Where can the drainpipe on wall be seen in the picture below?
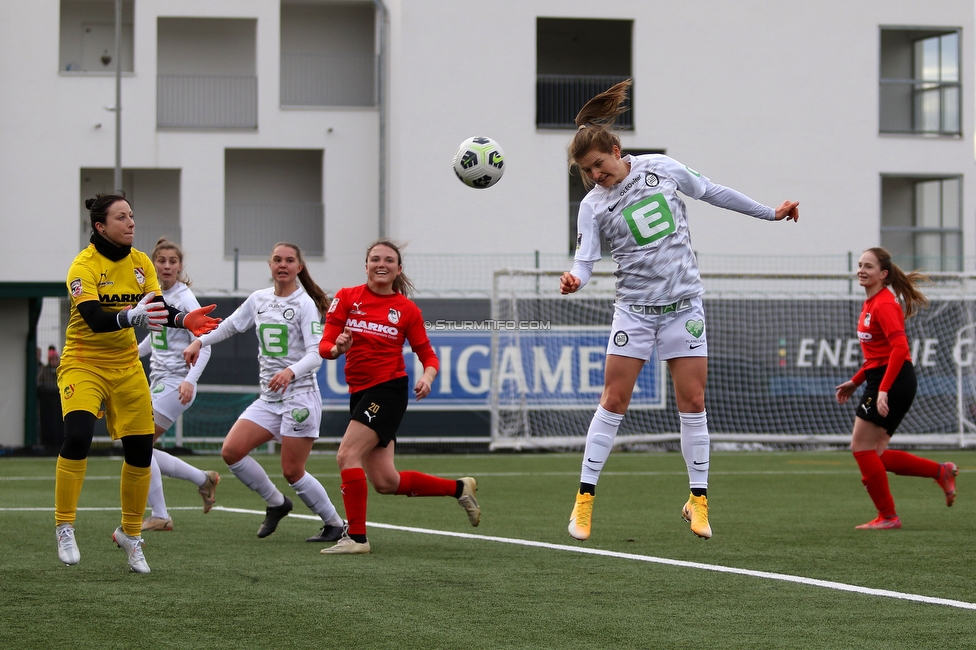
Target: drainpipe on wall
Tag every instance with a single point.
(381, 101)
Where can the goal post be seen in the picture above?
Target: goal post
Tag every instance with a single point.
(779, 344)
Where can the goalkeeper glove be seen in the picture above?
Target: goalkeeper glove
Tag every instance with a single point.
(147, 313)
(197, 320)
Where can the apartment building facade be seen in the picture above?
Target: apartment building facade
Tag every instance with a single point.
(246, 122)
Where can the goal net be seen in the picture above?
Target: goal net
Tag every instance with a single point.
(778, 346)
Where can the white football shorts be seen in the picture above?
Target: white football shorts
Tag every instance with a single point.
(166, 401)
(676, 330)
(297, 416)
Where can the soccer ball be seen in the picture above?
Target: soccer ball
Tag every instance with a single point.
(479, 162)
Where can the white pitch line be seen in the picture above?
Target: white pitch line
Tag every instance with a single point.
(782, 577)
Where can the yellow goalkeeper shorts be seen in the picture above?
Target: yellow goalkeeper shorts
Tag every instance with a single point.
(123, 391)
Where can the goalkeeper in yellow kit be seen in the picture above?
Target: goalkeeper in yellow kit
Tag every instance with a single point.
(113, 287)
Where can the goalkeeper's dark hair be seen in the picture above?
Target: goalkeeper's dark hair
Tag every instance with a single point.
(402, 283)
(595, 125)
(98, 206)
(317, 293)
(904, 284)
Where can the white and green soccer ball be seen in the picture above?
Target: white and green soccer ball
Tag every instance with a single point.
(479, 162)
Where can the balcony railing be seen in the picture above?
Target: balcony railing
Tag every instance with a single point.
(328, 80)
(559, 97)
(915, 106)
(253, 228)
(207, 101)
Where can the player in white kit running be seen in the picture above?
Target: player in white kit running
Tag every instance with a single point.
(173, 386)
(635, 204)
(287, 319)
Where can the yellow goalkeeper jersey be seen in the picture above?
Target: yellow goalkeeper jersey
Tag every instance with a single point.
(115, 285)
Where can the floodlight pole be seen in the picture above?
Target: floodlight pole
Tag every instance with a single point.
(381, 100)
(118, 95)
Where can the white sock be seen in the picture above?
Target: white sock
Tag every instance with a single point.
(694, 447)
(170, 465)
(251, 474)
(156, 499)
(317, 499)
(599, 442)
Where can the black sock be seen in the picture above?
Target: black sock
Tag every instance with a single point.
(459, 490)
(699, 492)
(361, 539)
(587, 488)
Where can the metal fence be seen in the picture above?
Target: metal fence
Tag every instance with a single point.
(207, 101)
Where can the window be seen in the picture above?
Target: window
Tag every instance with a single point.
(206, 73)
(328, 54)
(576, 194)
(154, 195)
(273, 195)
(921, 221)
(575, 60)
(87, 39)
(920, 87)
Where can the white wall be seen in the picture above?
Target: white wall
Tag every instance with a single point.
(716, 86)
(52, 125)
(778, 100)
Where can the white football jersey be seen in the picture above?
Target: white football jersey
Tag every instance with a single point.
(646, 223)
(167, 345)
(288, 329)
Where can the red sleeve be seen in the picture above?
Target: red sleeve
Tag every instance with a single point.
(335, 321)
(893, 326)
(859, 377)
(420, 344)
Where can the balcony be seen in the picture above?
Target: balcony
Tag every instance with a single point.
(313, 79)
(559, 97)
(206, 101)
(914, 106)
(252, 228)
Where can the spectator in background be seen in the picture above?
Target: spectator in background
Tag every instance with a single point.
(50, 421)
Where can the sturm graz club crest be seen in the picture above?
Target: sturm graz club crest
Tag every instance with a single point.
(620, 339)
(651, 180)
(288, 314)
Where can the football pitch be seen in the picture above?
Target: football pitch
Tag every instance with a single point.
(785, 568)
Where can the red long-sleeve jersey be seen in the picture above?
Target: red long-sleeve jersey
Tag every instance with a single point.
(881, 329)
(380, 324)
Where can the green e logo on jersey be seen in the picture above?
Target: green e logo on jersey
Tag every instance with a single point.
(317, 329)
(274, 339)
(650, 219)
(158, 339)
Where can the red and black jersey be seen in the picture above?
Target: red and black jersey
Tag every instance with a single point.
(881, 329)
(380, 324)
